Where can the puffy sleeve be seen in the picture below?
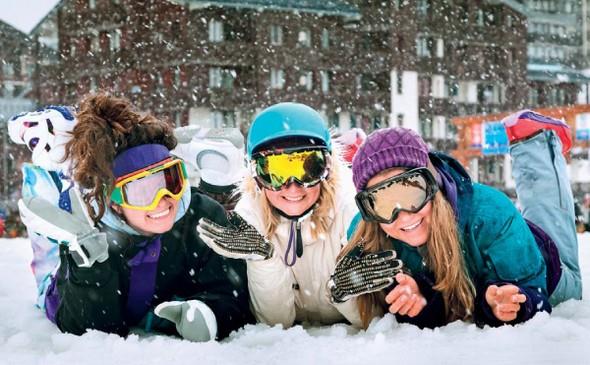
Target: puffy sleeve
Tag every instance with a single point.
(270, 282)
(509, 255)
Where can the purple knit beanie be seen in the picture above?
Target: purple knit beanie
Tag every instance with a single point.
(387, 148)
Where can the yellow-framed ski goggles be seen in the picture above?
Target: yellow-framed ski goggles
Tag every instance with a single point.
(143, 189)
(275, 169)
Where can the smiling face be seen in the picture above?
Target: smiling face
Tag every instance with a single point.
(411, 228)
(157, 221)
(293, 199)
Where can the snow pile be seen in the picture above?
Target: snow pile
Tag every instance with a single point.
(26, 337)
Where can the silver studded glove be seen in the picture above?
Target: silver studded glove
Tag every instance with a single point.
(239, 240)
(355, 274)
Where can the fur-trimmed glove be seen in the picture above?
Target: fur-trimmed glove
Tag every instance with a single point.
(239, 240)
(356, 274)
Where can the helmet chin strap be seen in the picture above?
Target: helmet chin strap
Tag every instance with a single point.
(295, 244)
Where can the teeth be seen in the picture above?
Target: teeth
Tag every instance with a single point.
(159, 215)
(293, 199)
(409, 228)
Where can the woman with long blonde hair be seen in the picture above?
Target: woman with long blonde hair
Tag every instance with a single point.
(467, 252)
(291, 221)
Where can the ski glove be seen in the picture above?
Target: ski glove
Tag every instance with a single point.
(356, 274)
(239, 240)
(194, 320)
(86, 243)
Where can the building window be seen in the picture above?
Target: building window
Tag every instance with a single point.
(452, 89)
(221, 78)
(276, 35)
(306, 80)
(424, 87)
(277, 78)
(422, 7)
(399, 83)
(426, 128)
(215, 31)
(440, 48)
(94, 44)
(177, 77)
(224, 119)
(480, 18)
(334, 120)
(373, 82)
(487, 94)
(214, 77)
(325, 80)
(304, 38)
(423, 46)
(325, 38)
(177, 119)
(7, 69)
(400, 120)
(115, 40)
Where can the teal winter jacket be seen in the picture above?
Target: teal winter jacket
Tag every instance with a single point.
(498, 248)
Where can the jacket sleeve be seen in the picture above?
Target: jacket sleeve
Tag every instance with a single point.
(349, 218)
(221, 283)
(271, 289)
(535, 302)
(510, 255)
(86, 298)
(270, 282)
(433, 314)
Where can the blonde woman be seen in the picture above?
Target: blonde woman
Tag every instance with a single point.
(291, 220)
(467, 252)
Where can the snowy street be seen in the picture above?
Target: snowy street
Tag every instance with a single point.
(27, 337)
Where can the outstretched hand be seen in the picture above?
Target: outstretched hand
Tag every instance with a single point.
(237, 240)
(356, 274)
(505, 301)
(405, 298)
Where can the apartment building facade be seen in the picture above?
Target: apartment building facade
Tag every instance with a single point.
(364, 64)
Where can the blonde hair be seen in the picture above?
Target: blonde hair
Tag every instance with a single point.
(322, 208)
(445, 259)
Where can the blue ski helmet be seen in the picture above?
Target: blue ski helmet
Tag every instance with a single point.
(287, 120)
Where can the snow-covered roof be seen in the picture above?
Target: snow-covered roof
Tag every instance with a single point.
(514, 4)
(321, 7)
(555, 72)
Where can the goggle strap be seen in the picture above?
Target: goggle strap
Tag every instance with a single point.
(116, 196)
(147, 168)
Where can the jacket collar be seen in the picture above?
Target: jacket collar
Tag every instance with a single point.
(456, 186)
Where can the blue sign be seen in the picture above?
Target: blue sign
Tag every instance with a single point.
(583, 134)
(495, 139)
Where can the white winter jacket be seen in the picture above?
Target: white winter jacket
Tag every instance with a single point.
(280, 294)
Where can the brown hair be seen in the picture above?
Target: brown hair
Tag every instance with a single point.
(106, 126)
(445, 259)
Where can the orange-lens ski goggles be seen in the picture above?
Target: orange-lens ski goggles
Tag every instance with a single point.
(306, 167)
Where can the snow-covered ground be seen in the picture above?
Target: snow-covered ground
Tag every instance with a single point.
(26, 337)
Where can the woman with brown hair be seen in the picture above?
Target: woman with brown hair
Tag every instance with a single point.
(130, 244)
(467, 252)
